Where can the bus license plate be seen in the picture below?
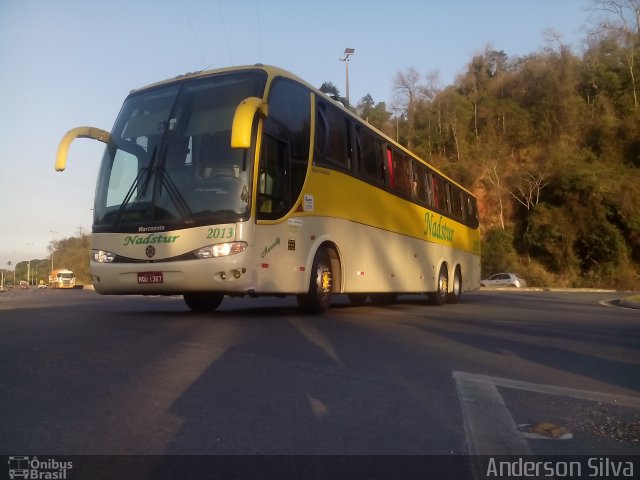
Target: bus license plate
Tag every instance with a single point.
(150, 277)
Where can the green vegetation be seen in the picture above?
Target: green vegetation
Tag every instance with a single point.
(550, 144)
(72, 253)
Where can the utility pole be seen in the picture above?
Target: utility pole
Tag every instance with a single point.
(29, 264)
(347, 53)
(53, 246)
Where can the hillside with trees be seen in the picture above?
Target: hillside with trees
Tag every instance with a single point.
(72, 253)
(550, 144)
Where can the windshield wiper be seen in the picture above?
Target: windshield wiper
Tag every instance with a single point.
(136, 181)
(176, 197)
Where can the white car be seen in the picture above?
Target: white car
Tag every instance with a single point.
(504, 280)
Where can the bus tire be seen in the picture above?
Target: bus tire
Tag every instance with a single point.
(203, 302)
(439, 297)
(456, 288)
(318, 297)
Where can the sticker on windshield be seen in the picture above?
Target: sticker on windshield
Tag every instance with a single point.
(308, 203)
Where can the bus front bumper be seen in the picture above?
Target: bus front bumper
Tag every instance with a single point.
(228, 275)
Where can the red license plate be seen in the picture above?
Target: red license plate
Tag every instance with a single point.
(150, 277)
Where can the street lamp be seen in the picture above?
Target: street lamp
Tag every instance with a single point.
(347, 53)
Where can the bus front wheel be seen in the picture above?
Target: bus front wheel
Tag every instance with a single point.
(439, 297)
(318, 297)
(203, 302)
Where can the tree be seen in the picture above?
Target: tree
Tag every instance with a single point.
(330, 89)
(494, 178)
(364, 106)
(73, 253)
(621, 22)
(527, 185)
(407, 88)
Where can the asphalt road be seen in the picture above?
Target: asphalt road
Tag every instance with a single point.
(500, 373)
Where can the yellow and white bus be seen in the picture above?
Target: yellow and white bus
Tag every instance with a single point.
(249, 181)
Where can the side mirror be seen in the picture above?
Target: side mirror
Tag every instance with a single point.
(243, 121)
(71, 135)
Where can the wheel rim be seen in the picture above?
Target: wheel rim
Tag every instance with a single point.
(324, 278)
(318, 297)
(325, 281)
(443, 284)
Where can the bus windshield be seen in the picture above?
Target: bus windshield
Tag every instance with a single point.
(170, 161)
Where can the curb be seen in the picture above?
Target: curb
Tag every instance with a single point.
(624, 302)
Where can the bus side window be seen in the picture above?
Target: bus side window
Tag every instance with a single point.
(463, 208)
(322, 132)
(472, 212)
(390, 170)
(332, 140)
(369, 157)
(402, 168)
(419, 183)
(447, 194)
(456, 203)
(438, 193)
(430, 199)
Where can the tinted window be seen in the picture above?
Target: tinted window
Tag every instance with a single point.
(420, 182)
(285, 149)
(456, 203)
(472, 212)
(369, 155)
(439, 194)
(331, 136)
(170, 161)
(402, 173)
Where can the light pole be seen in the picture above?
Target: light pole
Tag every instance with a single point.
(53, 246)
(29, 264)
(347, 53)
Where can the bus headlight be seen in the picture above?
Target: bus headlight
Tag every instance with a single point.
(221, 250)
(101, 256)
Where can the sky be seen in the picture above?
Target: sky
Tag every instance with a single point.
(70, 63)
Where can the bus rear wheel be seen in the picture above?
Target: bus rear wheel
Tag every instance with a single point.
(456, 288)
(318, 297)
(203, 302)
(439, 297)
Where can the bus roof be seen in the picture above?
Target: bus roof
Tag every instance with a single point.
(273, 72)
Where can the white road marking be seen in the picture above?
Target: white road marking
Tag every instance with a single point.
(489, 426)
